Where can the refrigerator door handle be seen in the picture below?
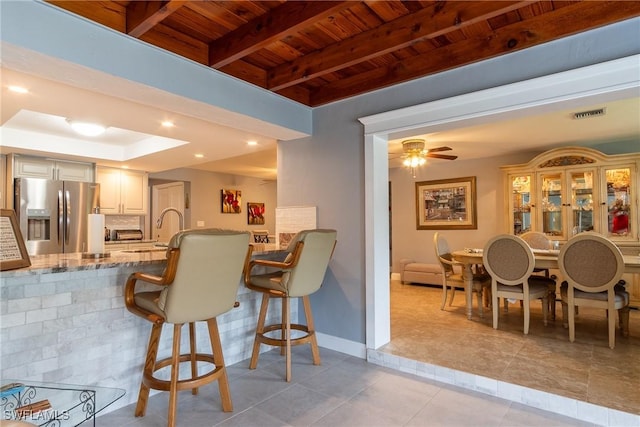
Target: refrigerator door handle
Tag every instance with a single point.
(67, 216)
(60, 215)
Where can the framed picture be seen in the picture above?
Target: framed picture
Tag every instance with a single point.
(13, 252)
(230, 201)
(446, 204)
(255, 213)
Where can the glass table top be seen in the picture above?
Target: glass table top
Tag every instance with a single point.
(54, 404)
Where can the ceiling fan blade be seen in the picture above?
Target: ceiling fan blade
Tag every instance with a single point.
(442, 156)
(431, 150)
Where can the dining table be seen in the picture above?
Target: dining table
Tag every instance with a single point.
(544, 259)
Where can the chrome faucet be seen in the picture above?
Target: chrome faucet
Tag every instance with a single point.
(180, 218)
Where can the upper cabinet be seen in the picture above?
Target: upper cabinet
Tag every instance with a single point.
(567, 191)
(123, 191)
(42, 167)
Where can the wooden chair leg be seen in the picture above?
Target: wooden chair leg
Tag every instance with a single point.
(175, 367)
(149, 364)
(445, 289)
(283, 326)
(287, 328)
(259, 331)
(192, 352)
(315, 353)
(453, 294)
(223, 380)
(623, 314)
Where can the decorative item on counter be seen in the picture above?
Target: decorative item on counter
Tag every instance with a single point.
(95, 236)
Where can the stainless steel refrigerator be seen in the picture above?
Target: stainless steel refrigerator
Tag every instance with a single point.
(53, 215)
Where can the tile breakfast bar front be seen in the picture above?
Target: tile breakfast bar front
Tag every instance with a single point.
(63, 320)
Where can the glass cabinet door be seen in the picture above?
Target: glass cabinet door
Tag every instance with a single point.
(551, 204)
(618, 201)
(582, 213)
(520, 203)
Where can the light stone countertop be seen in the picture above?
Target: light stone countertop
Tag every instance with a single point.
(59, 263)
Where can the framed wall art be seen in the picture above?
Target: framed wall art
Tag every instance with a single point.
(13, 252)
(255, 213)
(231, 201)
(446, 204)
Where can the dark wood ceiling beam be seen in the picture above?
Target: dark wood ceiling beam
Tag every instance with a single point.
(280, 22)
(563, 22)
(144, 15)
(430, 22)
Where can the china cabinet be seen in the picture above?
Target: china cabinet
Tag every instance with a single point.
(567, 191)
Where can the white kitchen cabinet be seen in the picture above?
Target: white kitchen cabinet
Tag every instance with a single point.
(123, 191)
(46, 168)
(567, 191)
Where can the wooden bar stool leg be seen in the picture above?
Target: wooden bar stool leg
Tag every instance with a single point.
(311, 329)
(192, 347)
(259, 331)
(149, 364)
(283, 325)
(287, 329)
(223, 381)
(175, 367)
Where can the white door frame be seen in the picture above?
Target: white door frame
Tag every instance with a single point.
(608, 81)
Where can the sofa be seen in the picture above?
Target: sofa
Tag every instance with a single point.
(418, 272)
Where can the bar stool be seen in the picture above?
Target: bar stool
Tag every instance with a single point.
(298, 276)
(200, 282)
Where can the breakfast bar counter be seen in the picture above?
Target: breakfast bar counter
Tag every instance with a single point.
(63, 320)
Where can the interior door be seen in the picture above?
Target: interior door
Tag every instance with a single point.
(166, 196)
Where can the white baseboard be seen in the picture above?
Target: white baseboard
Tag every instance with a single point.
(395, 276)
(351, 348)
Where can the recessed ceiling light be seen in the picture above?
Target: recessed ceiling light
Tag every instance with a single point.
(167, 124)
(18, 89)
(199, 156)
(252, 142)
(86, 128)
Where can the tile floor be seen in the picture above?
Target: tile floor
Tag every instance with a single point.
(586, 370)
(343, 391)
(347, 391)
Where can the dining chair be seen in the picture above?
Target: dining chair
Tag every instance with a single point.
(592, 265)
(539, 240)
(452, 276)
(298, 276)
(200, 282)
(509, 261)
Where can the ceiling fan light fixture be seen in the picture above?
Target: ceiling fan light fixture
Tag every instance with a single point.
(414, 153)
(86, 128)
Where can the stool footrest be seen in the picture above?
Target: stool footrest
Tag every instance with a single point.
(185, 384)
(279, 342)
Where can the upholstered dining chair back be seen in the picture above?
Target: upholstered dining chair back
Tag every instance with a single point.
(508, 259)
(591, 263)
(443, 253)
(307, 275)
(536, 240)
(208, 274)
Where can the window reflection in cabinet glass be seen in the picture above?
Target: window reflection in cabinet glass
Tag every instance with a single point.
(582, 201)
(521, 186)
(552, 204)
(618, 200)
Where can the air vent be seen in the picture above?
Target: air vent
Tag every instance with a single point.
(590, 113)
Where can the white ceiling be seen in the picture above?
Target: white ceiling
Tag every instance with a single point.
(34, 123)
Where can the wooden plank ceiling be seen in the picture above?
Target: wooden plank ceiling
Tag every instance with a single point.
(316, 52)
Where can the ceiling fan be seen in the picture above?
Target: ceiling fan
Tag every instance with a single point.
(415, 147)
(415, 154)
